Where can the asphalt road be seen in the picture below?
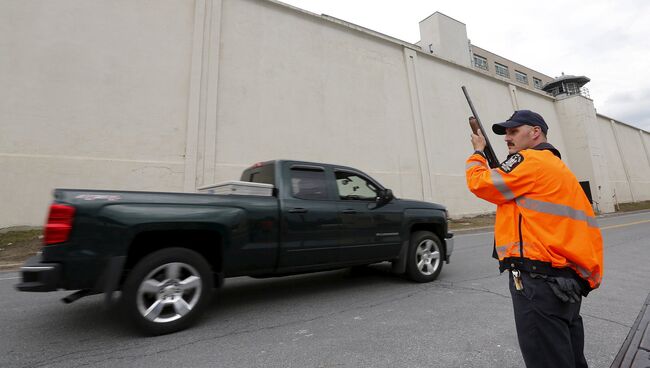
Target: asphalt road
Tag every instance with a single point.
(335, 319)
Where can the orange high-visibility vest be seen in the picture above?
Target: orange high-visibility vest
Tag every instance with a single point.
(544, 221)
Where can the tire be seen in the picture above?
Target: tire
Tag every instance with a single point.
(167, 290)
(425, 257)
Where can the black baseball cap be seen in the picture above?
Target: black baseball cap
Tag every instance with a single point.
(521, 117)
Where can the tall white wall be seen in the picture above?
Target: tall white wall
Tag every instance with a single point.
(94, 95)
(616, 169)
(639, 167)
(331, 93)
(636, 159)
(171, 95)
(628, 160)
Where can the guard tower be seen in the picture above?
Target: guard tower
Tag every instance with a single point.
(577, 120)
(567, 85)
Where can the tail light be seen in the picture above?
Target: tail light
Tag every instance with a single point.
(59, 223)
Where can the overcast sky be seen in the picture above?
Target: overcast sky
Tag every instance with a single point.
(607, 41)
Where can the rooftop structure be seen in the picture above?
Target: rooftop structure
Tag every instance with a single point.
(446, 37)
(567, 85)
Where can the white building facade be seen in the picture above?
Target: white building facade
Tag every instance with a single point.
(172, 95)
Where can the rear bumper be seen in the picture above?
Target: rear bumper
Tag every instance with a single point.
(98, 275)
(38, 276)
(449, 246)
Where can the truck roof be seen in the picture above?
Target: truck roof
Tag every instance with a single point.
(306, 163)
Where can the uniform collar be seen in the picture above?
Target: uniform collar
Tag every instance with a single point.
(549, 147)
(541, 147)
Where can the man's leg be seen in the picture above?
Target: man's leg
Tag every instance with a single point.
(578, 338)
(542, 322)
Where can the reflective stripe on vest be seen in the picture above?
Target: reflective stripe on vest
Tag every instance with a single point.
(585, 274)
(502, 249)
(557, 210)
(469, 165)
(500, 184)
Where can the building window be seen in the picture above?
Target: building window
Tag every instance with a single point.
(572, 89)
(501, 70)
(480, 62)
(521, 77)
(537, 82)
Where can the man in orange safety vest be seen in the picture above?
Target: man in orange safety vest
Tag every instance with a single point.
(545, 235)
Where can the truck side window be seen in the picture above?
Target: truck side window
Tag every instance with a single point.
(308, 184)
(262, 174)
(352, 186)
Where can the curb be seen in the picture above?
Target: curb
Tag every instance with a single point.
(621, 213)
(471, 229)
(10, 266)
(635, 351)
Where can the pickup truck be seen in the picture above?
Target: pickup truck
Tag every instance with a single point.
(166, 252)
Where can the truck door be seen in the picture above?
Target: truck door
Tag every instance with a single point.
(311, 222)
(368, 232)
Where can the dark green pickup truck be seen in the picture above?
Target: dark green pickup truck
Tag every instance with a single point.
(167, 251)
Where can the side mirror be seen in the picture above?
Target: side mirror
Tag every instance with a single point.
(385, 196)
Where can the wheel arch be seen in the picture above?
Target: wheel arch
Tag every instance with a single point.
(420, 220)
(434, 228)
(206, 242)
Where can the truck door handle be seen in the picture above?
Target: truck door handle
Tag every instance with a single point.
(298, 210)
(349, 212)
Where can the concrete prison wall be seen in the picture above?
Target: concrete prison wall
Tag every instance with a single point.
(169, 96)
(628, 160)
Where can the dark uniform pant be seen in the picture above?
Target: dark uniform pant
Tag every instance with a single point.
(550, 331)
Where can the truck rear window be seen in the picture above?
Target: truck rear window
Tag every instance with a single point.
(261, 174)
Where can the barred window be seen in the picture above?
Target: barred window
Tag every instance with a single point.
(521, 77)
(480, 62)
(501, 70)
(537, 83)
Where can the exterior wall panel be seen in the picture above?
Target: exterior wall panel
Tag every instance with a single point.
(94, 96)
(636, 161)
(298, 87)
(615, 169)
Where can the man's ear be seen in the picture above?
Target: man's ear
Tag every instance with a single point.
(537, 131)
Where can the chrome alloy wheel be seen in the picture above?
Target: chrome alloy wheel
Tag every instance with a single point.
(427, 257)
(169, 292)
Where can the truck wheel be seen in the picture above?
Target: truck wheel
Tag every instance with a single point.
(167, 290)
(424, 257)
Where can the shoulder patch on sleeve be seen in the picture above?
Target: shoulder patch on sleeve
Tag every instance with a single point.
(512, 162)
